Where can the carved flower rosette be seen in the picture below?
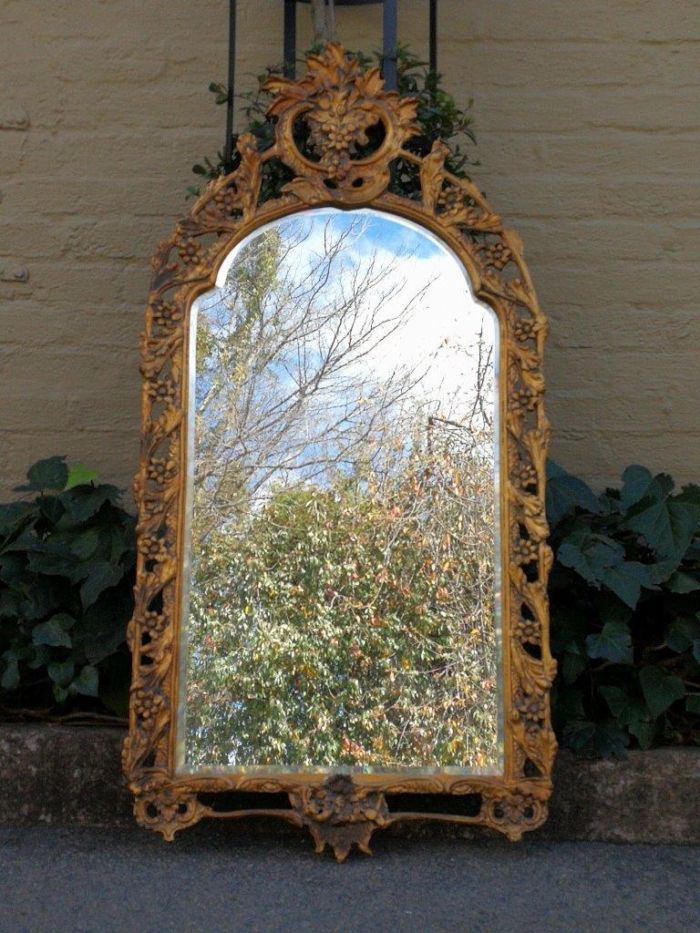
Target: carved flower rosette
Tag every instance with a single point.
(356, 131)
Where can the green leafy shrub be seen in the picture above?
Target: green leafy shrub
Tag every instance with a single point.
(624, 591)
(625, 605)
(66, 575)
(438, 114)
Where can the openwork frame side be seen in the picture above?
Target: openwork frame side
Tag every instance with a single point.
(339, 104)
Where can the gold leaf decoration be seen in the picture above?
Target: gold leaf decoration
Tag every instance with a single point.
(357, 131)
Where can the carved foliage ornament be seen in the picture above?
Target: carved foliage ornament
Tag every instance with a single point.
(355, 131)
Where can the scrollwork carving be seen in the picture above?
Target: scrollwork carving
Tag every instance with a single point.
(168, 810)
(340, 814)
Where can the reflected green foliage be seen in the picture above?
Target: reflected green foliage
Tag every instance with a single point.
(350, 625)
(66, 576)
(625, 603)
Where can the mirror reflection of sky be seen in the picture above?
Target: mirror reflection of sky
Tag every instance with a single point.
(420, 356)
(443, 326)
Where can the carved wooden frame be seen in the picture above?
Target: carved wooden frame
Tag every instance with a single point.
(339, 103)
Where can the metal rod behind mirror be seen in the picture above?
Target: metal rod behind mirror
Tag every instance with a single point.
(228, 144)
(389, 42)
(432, 32)
(290, 38)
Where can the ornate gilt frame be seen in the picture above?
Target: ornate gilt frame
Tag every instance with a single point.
(339, 103)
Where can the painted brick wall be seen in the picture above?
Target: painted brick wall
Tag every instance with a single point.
(588, 120)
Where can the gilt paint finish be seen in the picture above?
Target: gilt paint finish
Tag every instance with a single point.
(338, 104)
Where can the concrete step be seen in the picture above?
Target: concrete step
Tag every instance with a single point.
(72, 775)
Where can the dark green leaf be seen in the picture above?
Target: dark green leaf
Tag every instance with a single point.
(631, 713)
(41, 657)
(619, 702)
(572, 667)
(682, 632)
(565, 493)
(12, 569)
(61, 672)
(10, 676)
(55, 560)
(667, 525)
(626, 581)
(122, 544)
(102, 575)
(60, 693)
(680, 582)
(690, 494)
(52, 633)
(644, 730)
(696, 650)
(85, 544)
(51, 473)
(613, 643)
(692, 703)
(19, 650)
(87, 681)
(51, 508)
(103, 627)
(635, 483)
(42, 597)
(601, 560)
(14, 515)
(601, 739)
(82, 502)
(10, 604)
(609, 741)
(659, 572)
(590, 555)
(661, 486)
(660, 689)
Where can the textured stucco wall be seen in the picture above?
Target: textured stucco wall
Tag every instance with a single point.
(588, 121)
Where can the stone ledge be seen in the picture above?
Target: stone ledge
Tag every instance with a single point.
(72, 775)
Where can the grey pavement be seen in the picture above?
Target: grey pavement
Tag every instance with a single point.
(213, 878)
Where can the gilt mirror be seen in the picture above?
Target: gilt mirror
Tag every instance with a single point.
(341, 597)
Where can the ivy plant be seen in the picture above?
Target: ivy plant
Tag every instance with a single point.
(625, 605)
(66, 575)
(438, 114)
(624, 594)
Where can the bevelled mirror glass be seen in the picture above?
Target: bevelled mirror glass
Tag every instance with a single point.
(342, 597)
(341, 605)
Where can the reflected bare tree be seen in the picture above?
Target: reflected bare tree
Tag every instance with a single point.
(284, 391)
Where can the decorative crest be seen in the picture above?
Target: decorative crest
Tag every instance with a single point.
(353, 127)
